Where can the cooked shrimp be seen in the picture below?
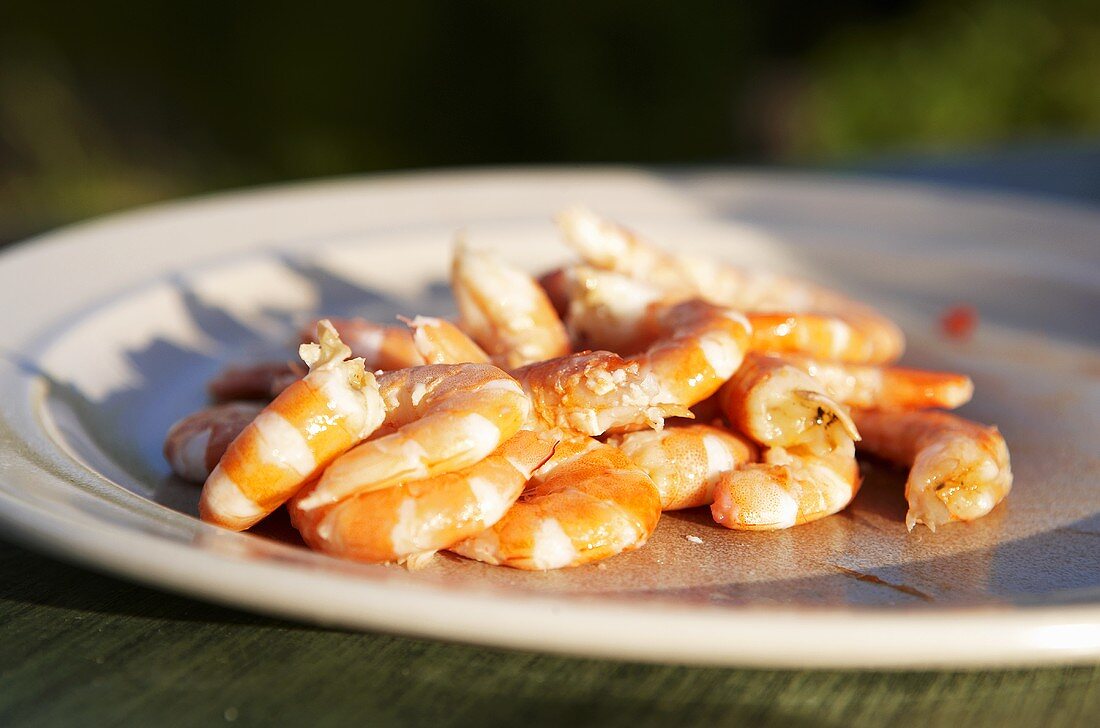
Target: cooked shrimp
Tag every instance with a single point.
(254, 381)
(778, 405)
(609, 246)
(381, 347)
(312, 421)
(423, 516)
(693, 346)
(439, 418)
(850, 338)
(792, 486)
(505, 310)
(195, 444)
(959, 468)
(591, 506)
(685, 461)
(440, 342)
(611, 311)
(586, 393)
(879, 387)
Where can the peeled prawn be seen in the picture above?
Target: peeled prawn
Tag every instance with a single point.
(196, 443)
(699, 348)
(586, 393)
(423, 516)
(591, 504)
(779, 405)
(505, 310)
(301, 431)
(685, 461)
(592, 392)
(852, 338)
(959, 469)
(381, 347)
(611, 311)
(878, 387)
(792, 486)
(439, 418)
(438, 341)
(611, 247)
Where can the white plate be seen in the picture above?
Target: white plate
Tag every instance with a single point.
(111, 328)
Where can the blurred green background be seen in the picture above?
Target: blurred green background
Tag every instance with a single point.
(111, 104)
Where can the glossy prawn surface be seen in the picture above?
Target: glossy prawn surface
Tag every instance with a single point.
(592, 392)
(881, 387)
(505, 310)
(692, 346)
(586, 393)
(196, 443)
(792, 486)
(419, 517)
(959, 469)
(439, 341)
(685, 462)
(611, 247)
(779, 405)
(851, 338)
(380, 347)
(588, 503)
(336, 405)
(439, 418)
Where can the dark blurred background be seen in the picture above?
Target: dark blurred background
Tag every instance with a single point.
(105, 105)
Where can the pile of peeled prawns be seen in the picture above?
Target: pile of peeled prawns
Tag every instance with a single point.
(560, 416)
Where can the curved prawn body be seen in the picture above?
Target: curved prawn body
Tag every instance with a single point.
(699, 348)
(692, 346)
(587, 393)
(848, 338)
(611, 247)
(589, 505)
(438, 341)
(792, 486)
(439, 418)
(779, 405)
(311, 422)
(505, 310)
(196, 443)
(261, 381)
(959, 469)
(380, 347)
(419, 517)
(879, 387)
(686, 462)
(592, 392)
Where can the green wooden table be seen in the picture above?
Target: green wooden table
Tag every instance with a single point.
(80, 648)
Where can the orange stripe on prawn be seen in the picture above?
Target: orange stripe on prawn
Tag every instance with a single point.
(408, 521)
(881, 387)
(439, 418)
(686, 461)
(314, 420)
(591, 503)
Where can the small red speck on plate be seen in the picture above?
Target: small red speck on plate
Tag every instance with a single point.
(959, 322)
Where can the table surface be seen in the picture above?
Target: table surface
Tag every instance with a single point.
(81, 647)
